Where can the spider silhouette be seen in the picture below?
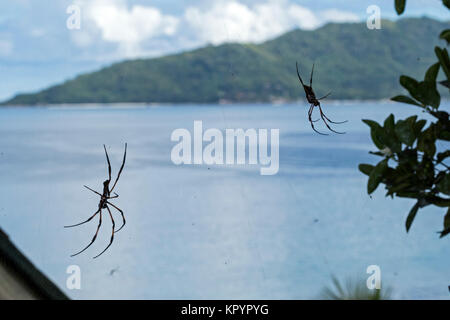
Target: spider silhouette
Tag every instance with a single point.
(104, 204)
(314, 102)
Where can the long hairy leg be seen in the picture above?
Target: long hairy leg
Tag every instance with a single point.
(112, 234)
(298, 74)
(121, 213)
(312, 72)
(93, 191)
(310, 112)
(74, 225)
(312, 122)
(340, 122)
(95, 236)
(109, 163)
(325, 96)
(324, 121)
(331, 121)
(121, 168)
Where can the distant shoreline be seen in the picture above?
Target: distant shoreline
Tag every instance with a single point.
(124, 105)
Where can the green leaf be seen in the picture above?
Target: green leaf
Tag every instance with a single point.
(444, 185)
(442, 127)
(405, 99)
(378, 153)
(428, 94)
(412, 195)
(404, 130)
(444, 60)
(376, 176)
(366, 168)
(418, 126)
(446, 230)
(446, 3)
(389, 123)
(427, 141)
(400, 6)
(441, 115)
(432, 72)
(438, 201)
(425, 91)
(444, 135)
(371, 123)
(388, 136)
(445, 35)
(412, 214)
(376, 132)
(447, 219)
(442, 156)
(409, 84)
(445, 83)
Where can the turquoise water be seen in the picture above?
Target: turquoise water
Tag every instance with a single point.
(211, 232)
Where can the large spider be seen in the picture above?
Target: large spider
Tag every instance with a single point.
(103, 204)
(314, 102)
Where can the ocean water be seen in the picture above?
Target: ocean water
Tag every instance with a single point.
(212, 232)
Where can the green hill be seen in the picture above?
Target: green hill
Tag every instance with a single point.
(351, 60)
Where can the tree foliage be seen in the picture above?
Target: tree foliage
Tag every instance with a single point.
(412, 165)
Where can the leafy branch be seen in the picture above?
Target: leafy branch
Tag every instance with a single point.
(418, 170)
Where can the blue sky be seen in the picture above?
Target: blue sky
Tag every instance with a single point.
(37, 49)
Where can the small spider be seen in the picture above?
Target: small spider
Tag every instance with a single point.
(314, 102)
(103, 204)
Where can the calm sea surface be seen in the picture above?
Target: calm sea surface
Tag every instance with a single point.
(212, 232)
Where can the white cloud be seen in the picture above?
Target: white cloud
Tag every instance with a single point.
(303, 18)
(128, 27)
(229, 21)
(140, 30)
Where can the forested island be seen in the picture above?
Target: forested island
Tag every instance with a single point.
(351, 61)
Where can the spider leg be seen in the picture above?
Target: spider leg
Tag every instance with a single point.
(109, 163)
(113, 197)
(312, 122)
(95, 236)
(121, 168)
(84, 221)
(324, 121)
(312, 72)
(298, 74)
(325, 96)
(121, 212)
(93, 191)
(310, 112)
(340, 122)
(112, 234)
